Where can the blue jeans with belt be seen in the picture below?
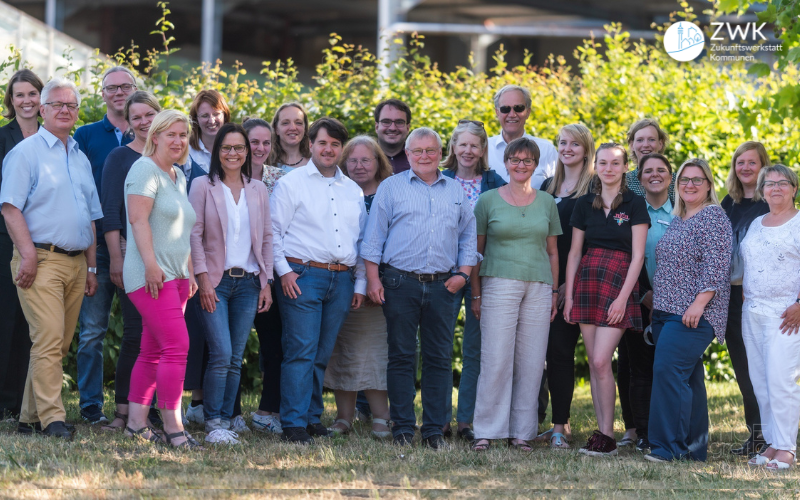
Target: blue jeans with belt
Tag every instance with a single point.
(311, 323)
(411, 304)
(678, 405)
(227, 331)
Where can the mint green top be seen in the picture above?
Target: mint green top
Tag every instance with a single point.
(516, 246)
(171, 221)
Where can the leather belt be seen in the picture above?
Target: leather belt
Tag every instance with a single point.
(52, 248)
(422, 278)
(333, 266)
(238, 272)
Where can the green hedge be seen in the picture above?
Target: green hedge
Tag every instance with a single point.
(617, 81)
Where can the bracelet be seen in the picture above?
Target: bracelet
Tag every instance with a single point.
(476, 297)
(555, 290)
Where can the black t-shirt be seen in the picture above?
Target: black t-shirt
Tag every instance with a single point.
(565, 206)
(115, 169)
(741, 214)
(612, 232)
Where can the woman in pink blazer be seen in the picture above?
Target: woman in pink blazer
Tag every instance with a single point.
(232, 258)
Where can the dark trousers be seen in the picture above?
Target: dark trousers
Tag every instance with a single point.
(409, 305)
(679, 405)
(639, 373)
(268, 326)
(129, 347)
(561, 345)
(736, 350)
(15, 341)
(197, 359)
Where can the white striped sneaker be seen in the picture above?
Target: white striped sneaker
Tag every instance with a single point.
(269, 424)
(222, 436)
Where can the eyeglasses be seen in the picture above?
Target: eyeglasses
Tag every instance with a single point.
(696, 181)
(429, 152)
(388, 123)
(518, 108)
(365, 162)
(126, 87)
(239, 148)
(525, 161)
(474, 122)
(72, 106)
(780, 184)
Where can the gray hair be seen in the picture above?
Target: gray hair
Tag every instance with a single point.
(782, 170)
(59, 83)
(508, 88)
(419, 133)
(116, 69)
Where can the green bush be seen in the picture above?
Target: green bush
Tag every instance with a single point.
(617, 81)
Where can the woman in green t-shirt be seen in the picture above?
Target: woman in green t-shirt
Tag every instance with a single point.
(514, 292)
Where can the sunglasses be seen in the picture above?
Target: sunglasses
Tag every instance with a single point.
(474, 122)
(518, 108)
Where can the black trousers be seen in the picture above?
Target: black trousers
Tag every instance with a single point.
(736, 350)
(128, 349)
(268, 326)
(15, 341)
(561, 366)
(635, 378)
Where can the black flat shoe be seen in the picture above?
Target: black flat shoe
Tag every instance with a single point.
(643, 444)
(404, 439)
(57, 429)
(750, 447)
(297, 435)
(319, 430)
(28, 429)
(436, 442)
(467, 435)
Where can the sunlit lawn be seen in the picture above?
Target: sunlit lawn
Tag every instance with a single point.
(102, 464)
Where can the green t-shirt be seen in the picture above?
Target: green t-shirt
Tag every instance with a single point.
(171, 222)
(516, 246)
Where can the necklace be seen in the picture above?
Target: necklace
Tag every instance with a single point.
(295, 163)
(517, 204)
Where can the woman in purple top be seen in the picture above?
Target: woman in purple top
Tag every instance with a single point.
(690, 307)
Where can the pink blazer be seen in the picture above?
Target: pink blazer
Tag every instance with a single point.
(208, 233)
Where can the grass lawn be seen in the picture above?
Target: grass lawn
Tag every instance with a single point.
(100, 464)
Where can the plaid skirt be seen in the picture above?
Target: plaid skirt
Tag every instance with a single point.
(598, 282)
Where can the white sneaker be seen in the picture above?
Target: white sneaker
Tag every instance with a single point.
(269, 424)
(195, 414)
(239, 425)
(222, 436)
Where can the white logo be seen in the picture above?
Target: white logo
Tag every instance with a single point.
(684, 41)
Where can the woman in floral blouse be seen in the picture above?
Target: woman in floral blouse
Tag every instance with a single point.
(690, 307)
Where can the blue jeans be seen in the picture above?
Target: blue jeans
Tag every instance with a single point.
(409, 305)
(678, 425)
(311, 323)
(470, 357)
(93, 321)
(227, 331)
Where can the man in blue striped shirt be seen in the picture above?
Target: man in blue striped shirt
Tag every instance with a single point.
(419, 248)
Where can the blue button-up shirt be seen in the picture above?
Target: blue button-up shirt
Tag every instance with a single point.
(660, 219)
(420, 228)
(54, 188)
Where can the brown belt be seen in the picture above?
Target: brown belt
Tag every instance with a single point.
(330, 267)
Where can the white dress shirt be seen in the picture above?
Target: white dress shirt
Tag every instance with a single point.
(200, 156)
(238, 248)
(548, 156)
(316, 218)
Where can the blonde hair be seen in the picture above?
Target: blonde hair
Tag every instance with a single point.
(597, 184)
(450, 163)
(162, 122)
(711, 199)
(384, 170)
(733, 184)
(583, 136)
(643, 124)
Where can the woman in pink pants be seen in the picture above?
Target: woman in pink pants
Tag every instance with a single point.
(158, 275)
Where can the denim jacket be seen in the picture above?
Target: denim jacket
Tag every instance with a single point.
(490, 179)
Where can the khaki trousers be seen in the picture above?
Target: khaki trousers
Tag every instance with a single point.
(51, 306)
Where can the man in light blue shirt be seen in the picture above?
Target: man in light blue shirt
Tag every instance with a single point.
(50, 203)
(419, 248)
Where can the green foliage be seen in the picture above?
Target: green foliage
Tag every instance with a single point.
(707, 109)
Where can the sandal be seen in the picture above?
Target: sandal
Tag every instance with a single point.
(189, 444)
(154, 437)
(523, 446)
(341, 432)
(559, 441)
(480, 445)
(381, 434)
(778, 466)
(758, 461)
(117, 416)
(545, 436)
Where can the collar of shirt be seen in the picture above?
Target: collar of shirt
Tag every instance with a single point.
(312, 170)
(413, 175)
(666, 207)
(501, 141)
(51, 139)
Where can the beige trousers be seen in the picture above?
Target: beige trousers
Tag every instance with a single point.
(515, 323)
(51, 306)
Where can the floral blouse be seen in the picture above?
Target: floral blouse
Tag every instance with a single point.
(472, 187)
(692, 257)
(271, 176)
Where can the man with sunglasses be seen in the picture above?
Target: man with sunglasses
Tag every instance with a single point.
(96, 140)
(512, 106)
(50, 203)
(392, 122)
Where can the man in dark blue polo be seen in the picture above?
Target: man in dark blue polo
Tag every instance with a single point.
(96, 140)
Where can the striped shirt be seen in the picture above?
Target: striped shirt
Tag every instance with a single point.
(420, 228)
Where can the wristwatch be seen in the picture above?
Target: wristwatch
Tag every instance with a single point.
(270, 281)
(92, 270)
(464, 275)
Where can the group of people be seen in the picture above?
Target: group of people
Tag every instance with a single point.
(350, 255)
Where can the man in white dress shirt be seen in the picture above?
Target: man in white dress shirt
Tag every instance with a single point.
(318, 219)
(512, 106)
